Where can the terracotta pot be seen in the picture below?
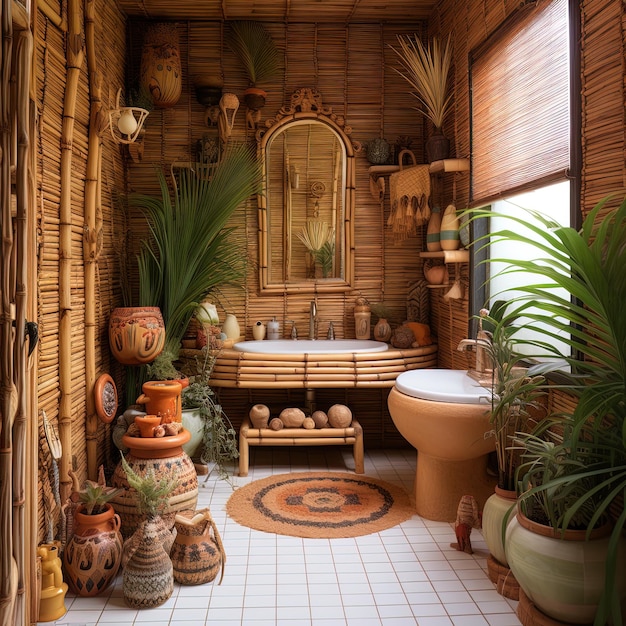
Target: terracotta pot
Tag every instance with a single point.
(136, 334)
(147, 424)
(166, 458)
(148, 579)
(254, 98)
(434, 274)
(162, 398)
(93, 555)
(562, 576)
(161, 73)
(197, 552)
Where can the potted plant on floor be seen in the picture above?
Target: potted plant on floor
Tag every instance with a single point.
(426, 69)
(584, 470)
(216, 439)
(93, 554)
(148, 579)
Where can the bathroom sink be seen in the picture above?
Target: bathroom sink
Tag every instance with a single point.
(311, 346)
(442, 385)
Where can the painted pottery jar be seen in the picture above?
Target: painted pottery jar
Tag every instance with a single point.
(197, 552)
(382, 330)
(562, 575)
(136, 334)
(166, 458)
(148, 579)
(53, 589)
(93, 555)
(161, 74)
(449, 233)
(433, 243)
(162, 398)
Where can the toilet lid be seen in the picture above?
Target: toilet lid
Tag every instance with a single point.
(442, 385)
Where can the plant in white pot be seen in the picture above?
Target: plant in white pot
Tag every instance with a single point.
(579, 478)
(426, 69)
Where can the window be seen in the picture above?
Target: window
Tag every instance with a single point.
(522, 123)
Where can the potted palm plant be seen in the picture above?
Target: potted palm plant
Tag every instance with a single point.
(577, 479)
(426, 69)
(257, 52)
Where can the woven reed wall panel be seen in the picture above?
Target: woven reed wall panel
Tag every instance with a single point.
(51, 72)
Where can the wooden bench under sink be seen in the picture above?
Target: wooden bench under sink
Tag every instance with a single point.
(249, 436)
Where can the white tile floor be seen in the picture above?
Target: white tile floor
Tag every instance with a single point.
(407, 575)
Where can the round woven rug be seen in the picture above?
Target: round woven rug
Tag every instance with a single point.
(320, 505)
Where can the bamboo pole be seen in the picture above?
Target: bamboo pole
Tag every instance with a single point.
(8, 565)
(24, 51)
(75, 56)
(52, 15)
(92, 235)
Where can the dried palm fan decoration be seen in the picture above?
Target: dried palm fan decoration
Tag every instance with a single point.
(319, 239)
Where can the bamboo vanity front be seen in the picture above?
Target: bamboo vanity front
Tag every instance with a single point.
(248, 370)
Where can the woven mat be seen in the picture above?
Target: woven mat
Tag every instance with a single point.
(319, 505)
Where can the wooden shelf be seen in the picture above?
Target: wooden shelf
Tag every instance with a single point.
(448, 256)
(449, 165)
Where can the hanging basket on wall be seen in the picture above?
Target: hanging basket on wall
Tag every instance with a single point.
(161, 74)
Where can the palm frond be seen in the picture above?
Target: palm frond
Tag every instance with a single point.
(256, 50)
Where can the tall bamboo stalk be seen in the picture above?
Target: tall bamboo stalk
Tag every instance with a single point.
(8, 566)
(24, 201)
(92, 234)
(75, 56)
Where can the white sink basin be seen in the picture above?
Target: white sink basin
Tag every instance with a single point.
(310, 346)
(442, 386)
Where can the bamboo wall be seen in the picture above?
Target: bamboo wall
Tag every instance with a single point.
(50, 59)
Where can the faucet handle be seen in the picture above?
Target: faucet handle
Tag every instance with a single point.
(294, 330)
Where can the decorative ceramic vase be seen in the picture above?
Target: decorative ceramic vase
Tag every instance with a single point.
(93, 555)
(432, 231)
(166, 458)
(258, 331)
(382, 330)
(254, 98)
(435, 274)
(563, 576)
(230, 327)
(194, 423)
(148, 579)
(437, 146)
(162, 398)
(136, 334)
(147, 424)
(497, 507)
(197, 552)
(449, 233)
(161, 73)
(378, 151)
(53, 589)
(362, 319)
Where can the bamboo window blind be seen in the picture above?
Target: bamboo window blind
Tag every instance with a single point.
(520, 113)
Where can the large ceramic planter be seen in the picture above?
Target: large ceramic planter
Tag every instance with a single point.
(93, 555)
(562, 577)
(497, 507)
(194, 423)
(136, 334)
(167, 459)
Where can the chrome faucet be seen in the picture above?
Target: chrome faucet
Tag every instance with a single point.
(294, 330)
(331, 331)
(312, 319)
(478, 345)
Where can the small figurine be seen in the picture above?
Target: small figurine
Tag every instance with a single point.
(467, 517)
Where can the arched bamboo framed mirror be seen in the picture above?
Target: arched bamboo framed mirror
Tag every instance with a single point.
(306, 207)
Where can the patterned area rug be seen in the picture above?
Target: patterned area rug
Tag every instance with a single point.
(320, 505)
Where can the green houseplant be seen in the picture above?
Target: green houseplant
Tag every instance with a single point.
(585, 469)
(426, 69)
(257, 52)
(219, 438)
(190, 253)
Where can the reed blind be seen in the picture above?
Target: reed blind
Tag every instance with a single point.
(520, 111)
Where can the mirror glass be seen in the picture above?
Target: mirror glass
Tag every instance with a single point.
(305, 210)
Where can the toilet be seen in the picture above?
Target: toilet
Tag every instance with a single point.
(444, 415)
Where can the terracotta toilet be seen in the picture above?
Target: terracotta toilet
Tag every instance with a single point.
(444, 415)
